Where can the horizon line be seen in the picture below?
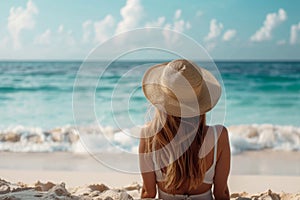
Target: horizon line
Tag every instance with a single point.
(148, 60)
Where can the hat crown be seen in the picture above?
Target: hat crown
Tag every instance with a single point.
(181, 88)
(182, 78)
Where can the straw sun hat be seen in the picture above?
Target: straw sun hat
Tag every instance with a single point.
(181, 88)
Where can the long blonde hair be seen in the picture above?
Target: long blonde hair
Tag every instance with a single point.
(183, 162)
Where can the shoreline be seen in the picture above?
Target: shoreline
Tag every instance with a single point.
(266, 162)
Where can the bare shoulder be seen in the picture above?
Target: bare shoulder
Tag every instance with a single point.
(222, 130)
(223, 138)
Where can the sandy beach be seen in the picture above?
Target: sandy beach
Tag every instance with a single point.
(252, 173)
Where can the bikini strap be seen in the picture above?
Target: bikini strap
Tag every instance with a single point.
(216, 144)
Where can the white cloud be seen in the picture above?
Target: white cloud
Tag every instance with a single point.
(86, 31)
(59, 38)
(229, 35)
(177, 14)
(44, 38)
(65, 37)
(215, 30)
(294, 33)
(272, 21)
(178, 25)
(21, 19)
(281, 42)
(158, 23)
(103, 27)
(131, 14)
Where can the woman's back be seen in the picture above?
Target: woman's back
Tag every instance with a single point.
(211, 148)
(217, 158)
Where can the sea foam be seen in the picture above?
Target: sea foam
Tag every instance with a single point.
(264, 136)
(95, 138)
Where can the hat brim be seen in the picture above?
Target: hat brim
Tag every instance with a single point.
(204, 102)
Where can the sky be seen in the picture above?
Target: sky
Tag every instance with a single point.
(227, 29)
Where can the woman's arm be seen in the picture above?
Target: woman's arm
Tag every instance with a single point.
(221, 190)
(148, 175)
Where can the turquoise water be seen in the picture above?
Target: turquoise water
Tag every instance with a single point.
(36, 110)
(262, 92)
(39, 94)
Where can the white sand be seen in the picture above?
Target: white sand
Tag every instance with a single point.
(252, 172)
(248, 163)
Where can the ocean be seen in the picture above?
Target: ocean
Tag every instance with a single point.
(36, 110)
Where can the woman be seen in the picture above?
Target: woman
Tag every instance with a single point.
(180, 156)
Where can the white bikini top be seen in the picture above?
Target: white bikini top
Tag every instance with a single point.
(209, 174)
